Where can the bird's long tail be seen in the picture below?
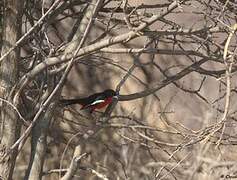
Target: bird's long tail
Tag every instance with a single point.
(67, 102)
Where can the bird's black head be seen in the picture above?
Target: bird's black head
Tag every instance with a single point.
(110, 93)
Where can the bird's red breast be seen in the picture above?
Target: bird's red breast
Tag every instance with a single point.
(105, 103)
(99, 105)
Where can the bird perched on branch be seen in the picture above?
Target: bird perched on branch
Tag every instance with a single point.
(94, 101)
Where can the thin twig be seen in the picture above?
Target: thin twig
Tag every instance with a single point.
(31, 30)
(25, 122)
(59, 85)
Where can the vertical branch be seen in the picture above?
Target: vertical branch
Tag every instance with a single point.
(228, 71)
(38, 147)
(10, 126)
(39, 140)
(229, 65)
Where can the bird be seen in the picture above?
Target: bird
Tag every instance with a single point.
(94, 101)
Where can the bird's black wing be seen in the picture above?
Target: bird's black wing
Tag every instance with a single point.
(85, 102)
(67, 102)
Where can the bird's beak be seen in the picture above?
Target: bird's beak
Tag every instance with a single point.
(115, 97)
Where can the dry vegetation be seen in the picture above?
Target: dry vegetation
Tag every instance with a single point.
(172, 62)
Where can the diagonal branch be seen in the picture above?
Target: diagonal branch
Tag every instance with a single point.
(164, 83)
(93, 48)
(58, 87)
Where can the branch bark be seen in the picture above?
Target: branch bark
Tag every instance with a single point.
(39, 145)
(92, 48)
(74, 164)
(9, 119)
